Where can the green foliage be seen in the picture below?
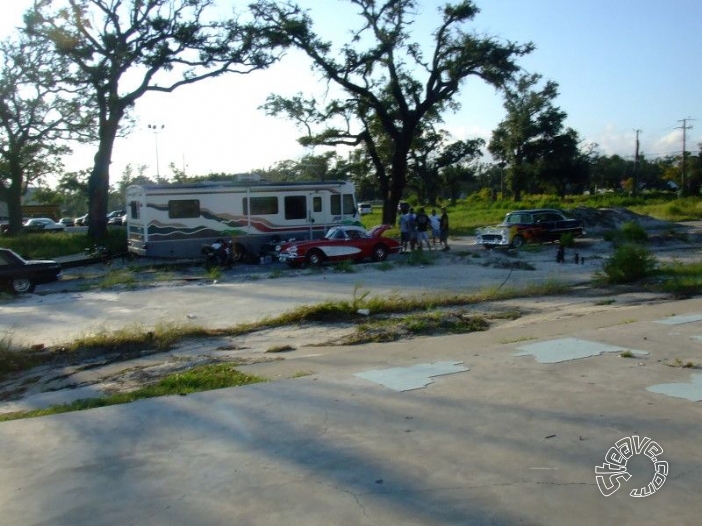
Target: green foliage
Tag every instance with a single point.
(629, 232)
(629, 263)
(345, 266)
(567, 240)
(683, 280)
(45, 245)
(633, 232)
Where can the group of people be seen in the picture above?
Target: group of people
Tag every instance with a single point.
(416, 227)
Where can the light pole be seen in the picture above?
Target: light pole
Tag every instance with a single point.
(156, 128)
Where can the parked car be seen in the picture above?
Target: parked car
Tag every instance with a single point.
(19, 275)
(67, 221)
(42, 224)
(114, 214)
(365, 208)
(340, 243)
(528, 226)
(118, 220)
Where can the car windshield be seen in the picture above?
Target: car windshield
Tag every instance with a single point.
(341, 233)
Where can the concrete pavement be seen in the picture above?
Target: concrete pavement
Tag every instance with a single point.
(510, 441)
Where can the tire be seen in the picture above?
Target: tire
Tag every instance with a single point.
(239, 253)
(22, 285)
(380, 253)
(518, 242)
(315, 257)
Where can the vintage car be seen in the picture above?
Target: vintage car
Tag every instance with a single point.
(20, 275)
(42, 224)
(528, 226)
(339, 243)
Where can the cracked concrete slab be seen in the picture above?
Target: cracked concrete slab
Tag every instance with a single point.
(414, 377)
(680, 320)
(566, 349)
(691, 390)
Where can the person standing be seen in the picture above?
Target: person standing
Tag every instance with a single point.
(413, 228)
(435, 223)
(405, 229)
(444, 229)
(423, 225)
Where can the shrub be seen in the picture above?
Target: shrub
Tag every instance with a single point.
(567, 240)
(629, 232)
(632, 232)
(629, 263)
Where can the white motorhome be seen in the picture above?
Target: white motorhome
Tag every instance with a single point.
(176, 220)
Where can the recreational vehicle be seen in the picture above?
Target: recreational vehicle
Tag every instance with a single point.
(175, 221)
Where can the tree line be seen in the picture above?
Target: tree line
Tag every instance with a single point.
(76, 69)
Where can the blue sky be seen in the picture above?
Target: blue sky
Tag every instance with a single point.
(621, 65)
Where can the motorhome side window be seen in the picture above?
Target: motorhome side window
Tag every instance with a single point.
(349, 204)
(134, 209)
(295, 207)
(261, 206)
(183, 208)
(317, 204)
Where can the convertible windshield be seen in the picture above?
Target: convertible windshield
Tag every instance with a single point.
(341, 233)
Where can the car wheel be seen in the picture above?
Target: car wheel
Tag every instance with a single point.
(315, 257)
(22, 285)
(518, 241)
(239, 253)
(380, 253)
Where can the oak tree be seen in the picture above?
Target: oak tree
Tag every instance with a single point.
(389, 83)
(123, 49)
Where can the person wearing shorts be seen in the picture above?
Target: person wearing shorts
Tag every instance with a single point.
(435, 223)
(444, 229)
(405, 230)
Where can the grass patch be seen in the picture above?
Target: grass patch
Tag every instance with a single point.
(385, 266)
(627, 354)
(115, 278)
(345, 266)
(682, 280)
(605, 302)
(302, 374)
(684, 365)
(400, 327)
(199, 378)
(520, 339)
(280, 348)
(130, 342)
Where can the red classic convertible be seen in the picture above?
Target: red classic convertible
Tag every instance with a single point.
(340, 242)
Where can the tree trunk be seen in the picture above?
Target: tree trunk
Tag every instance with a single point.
(13, 197)
(99, 181)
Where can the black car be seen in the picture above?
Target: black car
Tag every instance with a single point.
(529, 226)
(20, 275)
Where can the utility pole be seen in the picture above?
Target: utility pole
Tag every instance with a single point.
(685, 127)
(156, 129)
(635, 189)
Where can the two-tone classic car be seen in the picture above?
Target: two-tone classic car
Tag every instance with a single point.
(529, 226)
(340, 243)
(20, 275)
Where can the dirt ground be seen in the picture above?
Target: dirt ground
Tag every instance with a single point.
(456, 270)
